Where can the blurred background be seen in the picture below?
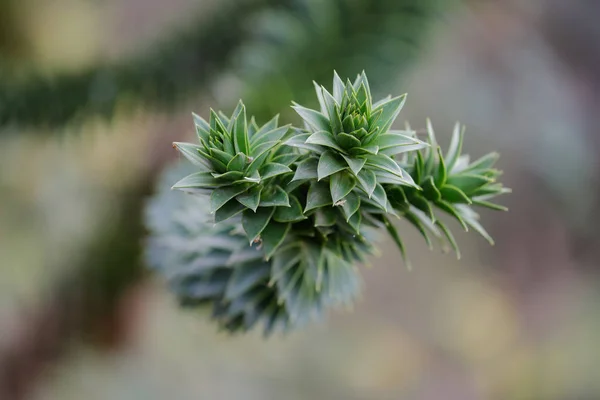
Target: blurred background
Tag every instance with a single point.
(93, 92)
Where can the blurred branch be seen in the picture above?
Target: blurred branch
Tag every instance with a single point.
(161, 77)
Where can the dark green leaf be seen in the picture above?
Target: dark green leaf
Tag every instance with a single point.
(244, 279)
(449, 208)
(329, 164)
(250, 198)
(273, 236)
(340, 185)
(354, 221)
(290, 214)
(318, 196)
(268, 136)
(453, 194)
(306, 169)
(384, 163)
(422, 204)
(240, 132)
(222, 195)
(430, 191)
(441, 173)
(468, 183)
(273, 169)
(274, 196)
(255, 222)
(396, 237)
(350, 205)
(325, 216)
(237, 163)
(332, 111)
(230, 209)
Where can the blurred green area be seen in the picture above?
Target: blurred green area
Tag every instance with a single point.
(514, 322)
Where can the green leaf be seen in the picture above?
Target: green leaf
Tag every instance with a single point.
(289, 214)
(455, 146)
(229, 176)
(237, 163)
(319, 92)
(453, 194)
(274, 196)
(423, 205)
(318, 196)
(356, 164)
(450, 238)
(332, 111)
(299, 141)
(251, 198)
(483, 163)
(350, 205)
(384, 163)
(472, 219)
(269, 136)
(491, 206)
(367, 181)
(222, 195)
(329, 164)
(199, 180)
(431, 192)
(273, 169)
(380, 197)
(313, 118)
(286, 159)
(202, 128)
(354, 221)
(220, 155)
(449, 208)
(338, 88)
(230, 209)
(240, 132)
(273, 236)
(269, 126)
(370, 149)
(325, 217)
(396, 237)
(340, 185)
(347, 141)
(431, 151)
(253, 177)
(190, 151)
(244, 279)
(441, 173)
(306, 169)
(324, 138)
(390, 110)
(259, 155)
(255, 222)
(468, 183)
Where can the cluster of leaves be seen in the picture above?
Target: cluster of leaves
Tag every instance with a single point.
(310, 202)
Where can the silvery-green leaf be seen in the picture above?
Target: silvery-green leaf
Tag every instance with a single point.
(472, 219)
(356, 164)
(313, 118)
(441, 174)
(229, 176)
(240, 132)
(347, 141)
(396, 237)
(384, 163)
(299, 141)
(255, 222)
(273, 169)
(455, 146)
(468, 183)
(332, 111)
(367, 181)
(269, 136)
(244, 279)
(324, 138)
(338, 88)
(449, 208)
(490, 205)
(354, 221)
(222, 195)
(340, 185)
(220, 155)
(329, 163)
(450, 237)
(251, 197)
(390, 110)
(202, 128)
(286, 159)
(202, 180)
(191, 152)
(380, 197)
(318, 196)
(319, 92)
(483, 163)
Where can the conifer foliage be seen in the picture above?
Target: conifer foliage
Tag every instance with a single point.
(279, 217)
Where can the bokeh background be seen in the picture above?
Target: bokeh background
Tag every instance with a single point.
(92, 93)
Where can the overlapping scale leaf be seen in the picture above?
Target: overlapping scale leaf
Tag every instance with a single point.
(240, 163)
